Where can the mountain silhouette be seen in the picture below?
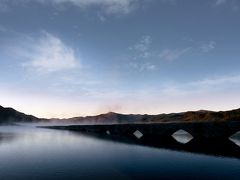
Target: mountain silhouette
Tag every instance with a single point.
(10, 115)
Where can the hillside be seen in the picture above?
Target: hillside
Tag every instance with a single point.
(9, 115)
(191, 116)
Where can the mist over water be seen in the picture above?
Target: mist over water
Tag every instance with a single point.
(38, 153)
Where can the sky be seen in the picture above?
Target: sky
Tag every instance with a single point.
(65, 58)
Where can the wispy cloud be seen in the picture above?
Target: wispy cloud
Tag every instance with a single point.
(145, 55)
(147, 66)
(173, 54)
(108, 6)
(143, 44)
(233, 4)
(203, 85)
(204, 46)
(220, 2)
(208, 46)
(49, 54)
(141, 53)
(215, 81)
(142, 48)
(101, 17)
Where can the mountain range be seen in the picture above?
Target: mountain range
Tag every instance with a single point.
(10, 115)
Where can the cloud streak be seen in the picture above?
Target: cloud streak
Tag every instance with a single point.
(208, 46)
(143, 66)
(170, 55)
(109, 6)
(220, 2)
(49, 54)
(204, 85)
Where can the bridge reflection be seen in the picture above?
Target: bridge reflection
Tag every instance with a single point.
(213, 147)
(215, 139)
(205, 138)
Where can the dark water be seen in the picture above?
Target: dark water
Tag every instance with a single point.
(34, 153)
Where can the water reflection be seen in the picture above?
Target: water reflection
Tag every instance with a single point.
(236, 138)
(7, 137)
(138, 134)
(213, 147)
(37, 153)
(182, 136)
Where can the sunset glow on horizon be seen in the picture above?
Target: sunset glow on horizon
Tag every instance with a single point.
(79, 58)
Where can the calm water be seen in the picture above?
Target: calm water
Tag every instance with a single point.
(34, 153)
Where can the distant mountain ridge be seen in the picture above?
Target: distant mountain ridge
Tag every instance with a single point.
(9, 115)
(190, 116)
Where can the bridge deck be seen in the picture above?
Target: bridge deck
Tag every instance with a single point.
(197, 130)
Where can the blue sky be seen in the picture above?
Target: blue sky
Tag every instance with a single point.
(63, 58)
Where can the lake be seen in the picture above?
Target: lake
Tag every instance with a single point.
(38, 153)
